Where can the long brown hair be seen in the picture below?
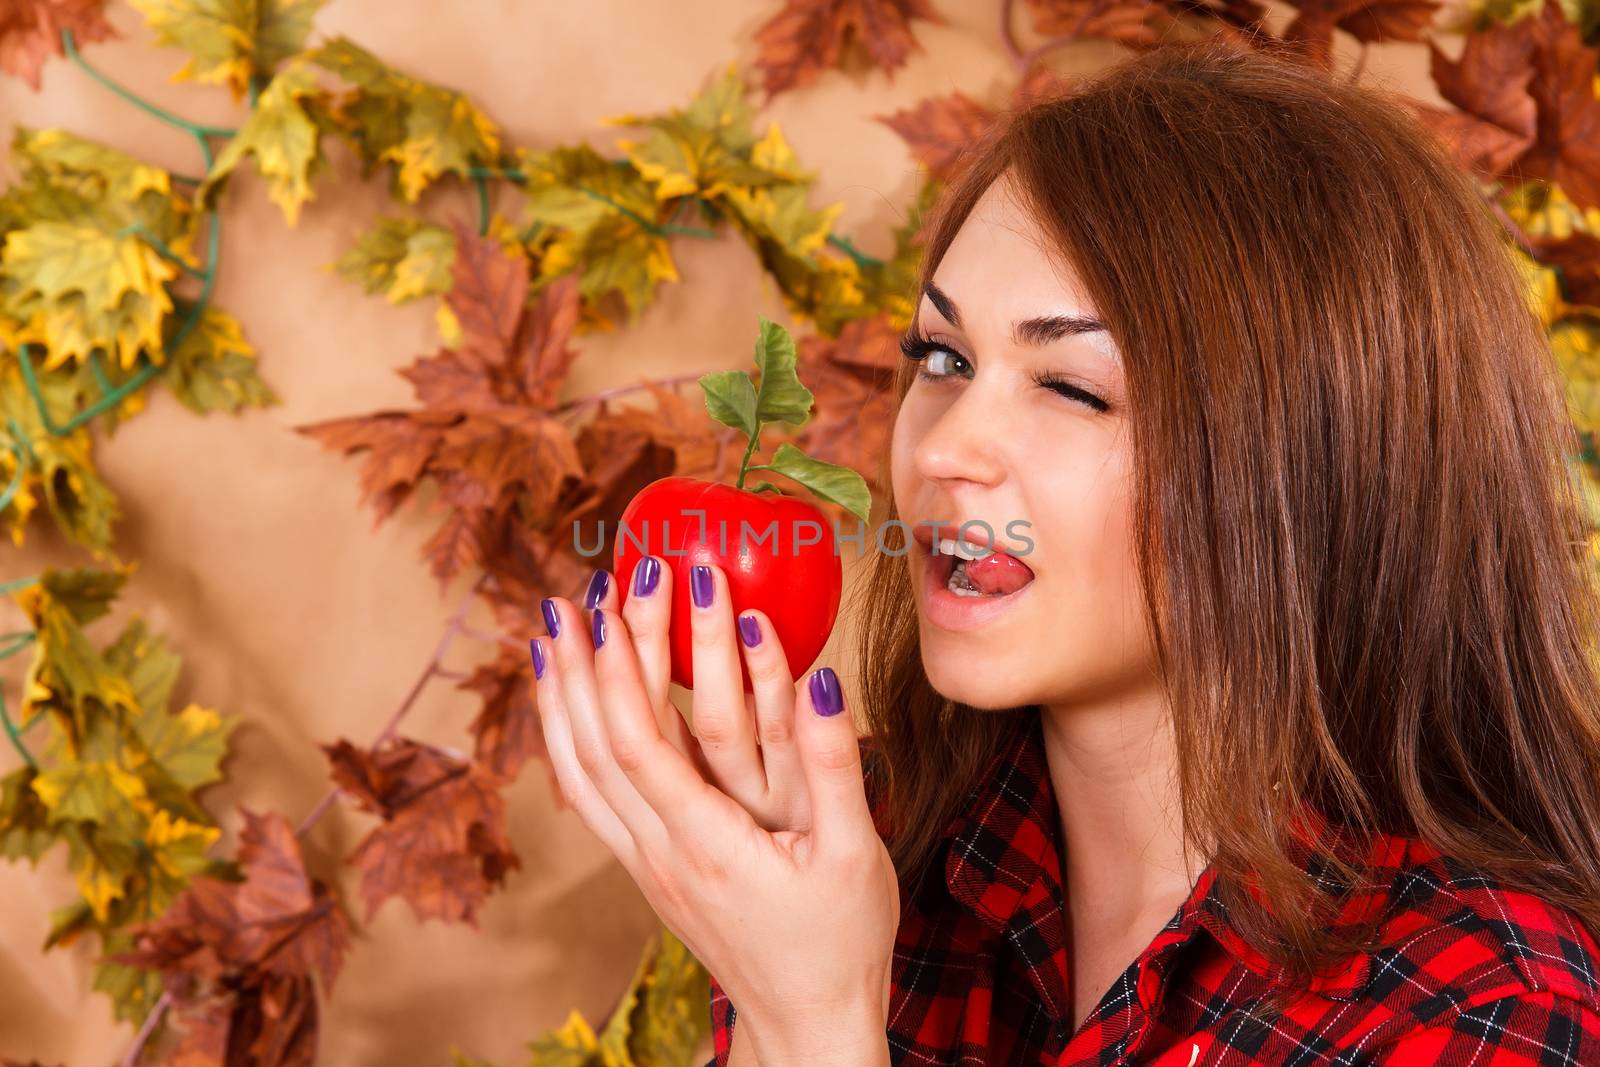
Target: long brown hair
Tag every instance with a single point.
(1362, 559)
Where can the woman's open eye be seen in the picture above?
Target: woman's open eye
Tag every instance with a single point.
(919, 349)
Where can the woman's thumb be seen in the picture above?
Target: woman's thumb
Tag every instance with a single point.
(831, 755)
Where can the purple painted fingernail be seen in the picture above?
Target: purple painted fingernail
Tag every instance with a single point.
(825, 696)
(598, 630)
(552, 621)
(701, 585)
(538, 657)
(645, 576)
(597, 589)
(749, 631)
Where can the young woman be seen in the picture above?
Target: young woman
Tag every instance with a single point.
(1266, 732)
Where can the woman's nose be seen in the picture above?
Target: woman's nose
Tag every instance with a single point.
(965, 442)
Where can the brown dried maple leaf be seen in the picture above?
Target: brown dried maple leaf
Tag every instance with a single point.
(239, 958)
(486, 433)
(30, 32)
(1368, 21)
(1528, 105)
(506, 730)
(853, 379)
(940, 128)
(1124, 21)
(442, 844)
(810, 36)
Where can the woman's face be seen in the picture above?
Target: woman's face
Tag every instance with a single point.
(982, 439)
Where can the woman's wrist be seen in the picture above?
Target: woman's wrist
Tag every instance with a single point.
(854, 1035)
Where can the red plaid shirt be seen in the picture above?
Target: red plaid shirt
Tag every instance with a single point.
(1470, 972)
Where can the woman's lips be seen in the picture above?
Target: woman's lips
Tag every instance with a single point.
(948, 611)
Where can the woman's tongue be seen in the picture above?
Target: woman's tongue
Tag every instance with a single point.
(998, 573)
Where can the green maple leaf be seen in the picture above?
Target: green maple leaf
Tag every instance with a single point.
(425, 130)
(58, 468)
(214, 368)
(25, 828)
(231, 41)
(601, 214)
(402, 258)
(704, 150)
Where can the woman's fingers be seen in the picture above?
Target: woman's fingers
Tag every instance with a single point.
(575, 638)
(787, 807)
(577, 790)
(678, 798)
(722, 720)
(841, 820)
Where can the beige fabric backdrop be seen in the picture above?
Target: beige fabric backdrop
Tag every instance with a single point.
(291, 611)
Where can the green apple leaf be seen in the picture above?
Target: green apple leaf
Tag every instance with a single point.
(731, 400)
(781, 397)
(831, 482)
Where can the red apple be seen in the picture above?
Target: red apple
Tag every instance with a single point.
(757, 539)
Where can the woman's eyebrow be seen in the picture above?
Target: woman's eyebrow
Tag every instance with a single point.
(1035, 332)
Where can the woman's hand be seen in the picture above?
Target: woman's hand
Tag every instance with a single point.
(798, 925)
(742, 743)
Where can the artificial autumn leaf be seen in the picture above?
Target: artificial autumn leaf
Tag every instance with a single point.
(1496, 117)
(80, 287)
(1368, 21)
(853, 378)
(600, 221)
(214, 368)
(778, 211)
(425, 130)
(25, 829)
(506, 731)
(68, 677)
(663, 1016)
(115, 781)
(1123, 21)
(705, 149)
(1539, 59)
(56, 467)
(1567, 149)
(442, 844)
(809, 36)
(231, 41)
(86, 257)
(940, 128)
(1577, 257)
(30, 32)
(284, 134)
(240, 959)
(126, 215)
(661, 1019)
(1575, 341)
(402, 258)
(483, 435)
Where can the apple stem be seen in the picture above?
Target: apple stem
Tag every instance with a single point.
(744, 463)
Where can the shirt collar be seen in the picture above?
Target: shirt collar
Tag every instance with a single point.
(1003, 865)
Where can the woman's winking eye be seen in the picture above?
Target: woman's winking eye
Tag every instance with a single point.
(918, 348)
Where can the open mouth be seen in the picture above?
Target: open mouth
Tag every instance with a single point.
(995, 574)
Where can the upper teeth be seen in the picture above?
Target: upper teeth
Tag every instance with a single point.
(949, 546)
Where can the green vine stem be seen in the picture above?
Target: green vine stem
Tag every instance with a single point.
(196, 128)
(19, 642)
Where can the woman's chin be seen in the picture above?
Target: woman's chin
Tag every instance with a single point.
(986, 685)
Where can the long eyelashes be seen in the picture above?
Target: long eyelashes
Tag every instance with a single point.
(917, 348)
